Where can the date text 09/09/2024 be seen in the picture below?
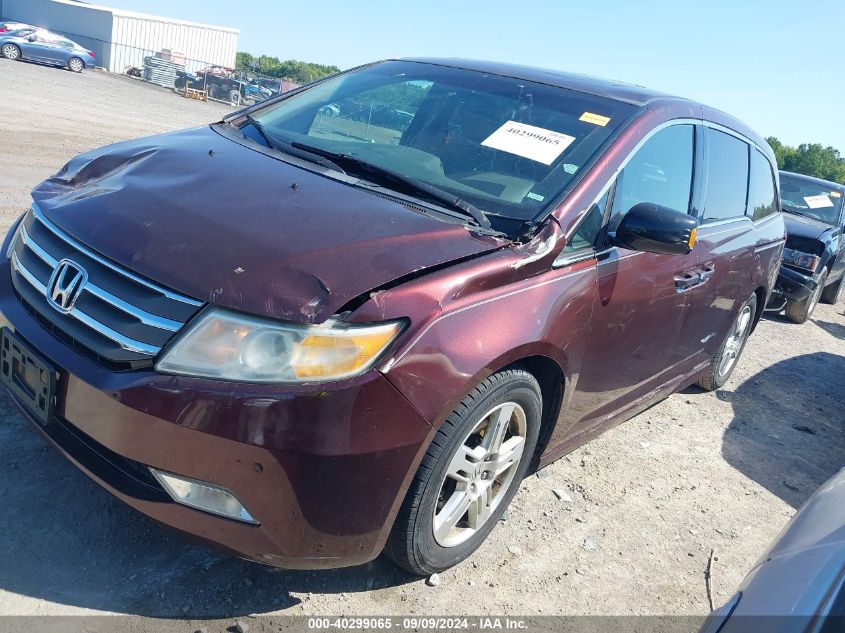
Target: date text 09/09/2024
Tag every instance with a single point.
(481, 623)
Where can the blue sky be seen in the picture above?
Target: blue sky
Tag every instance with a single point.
(775, 64)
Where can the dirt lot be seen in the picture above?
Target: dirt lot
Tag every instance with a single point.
(648, 500)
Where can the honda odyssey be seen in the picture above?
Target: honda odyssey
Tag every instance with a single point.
(317, 330)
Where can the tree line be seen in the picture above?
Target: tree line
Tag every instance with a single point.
(810, 159)
(292, 69)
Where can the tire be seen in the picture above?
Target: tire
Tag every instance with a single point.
(75, 65)
(725, 360)
(235, 97)
(834, 292)
(452, 481)
(800, 311)
(10, 51)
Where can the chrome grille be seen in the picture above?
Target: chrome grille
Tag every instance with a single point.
(119, 317)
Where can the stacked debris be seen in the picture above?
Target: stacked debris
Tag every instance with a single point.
(161, 71)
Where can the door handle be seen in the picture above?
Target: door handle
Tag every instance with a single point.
(706, 273)
(686, 281)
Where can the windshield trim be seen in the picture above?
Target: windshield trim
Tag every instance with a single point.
(424, 62)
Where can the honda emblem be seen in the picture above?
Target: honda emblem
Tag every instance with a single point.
(66, 284)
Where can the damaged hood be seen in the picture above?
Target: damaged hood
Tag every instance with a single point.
(226, 224)
(801, 226)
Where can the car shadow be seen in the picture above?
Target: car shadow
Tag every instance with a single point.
(834, 329)
(788, 430)
(67, 541)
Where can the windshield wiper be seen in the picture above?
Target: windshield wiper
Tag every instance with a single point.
(289, 148)
(414, 186)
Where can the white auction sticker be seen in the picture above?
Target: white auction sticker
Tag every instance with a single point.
(818, 202)
(528, 141)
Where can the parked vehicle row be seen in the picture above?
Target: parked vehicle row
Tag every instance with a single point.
(23, 42)
(223, 84)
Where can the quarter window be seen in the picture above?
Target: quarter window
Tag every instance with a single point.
(762, 198)
(660, 173)
(587, 233)
(727, 177)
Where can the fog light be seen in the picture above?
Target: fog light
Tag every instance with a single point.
(203, 496)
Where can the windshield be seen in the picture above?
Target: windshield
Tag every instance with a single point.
(810, 199)
(506, 146)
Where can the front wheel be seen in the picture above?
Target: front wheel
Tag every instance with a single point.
(235, 97)
(834, 292)
(10, 51)
(800, 311)
(75, 65)
(724, 361)
(469, 474)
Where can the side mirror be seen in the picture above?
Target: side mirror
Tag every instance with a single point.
(656, 229)
(31, 38)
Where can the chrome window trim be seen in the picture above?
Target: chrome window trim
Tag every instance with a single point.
(562, 261)
(578, 256)
(612, 178)
(704, 228)
(637, 148)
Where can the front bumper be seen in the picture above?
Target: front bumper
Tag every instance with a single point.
(791, 286)
(323, 468)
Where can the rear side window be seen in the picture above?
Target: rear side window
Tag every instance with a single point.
(727, 177)
(660, 172)
(762, 199)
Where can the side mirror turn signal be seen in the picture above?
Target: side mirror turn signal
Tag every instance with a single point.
(653, 228)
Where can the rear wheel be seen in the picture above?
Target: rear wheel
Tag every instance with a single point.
(800, 311)
(75, 65)
(235, 97)
(724, 361)
(10, 51)
(834, 292)
(469, 474)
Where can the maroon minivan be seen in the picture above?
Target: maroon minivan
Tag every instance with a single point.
(350, 319)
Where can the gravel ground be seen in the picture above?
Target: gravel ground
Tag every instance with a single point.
(642, 507)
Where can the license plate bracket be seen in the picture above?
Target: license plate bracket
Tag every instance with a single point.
(30, 379)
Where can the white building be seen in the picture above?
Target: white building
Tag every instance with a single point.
(123, 38)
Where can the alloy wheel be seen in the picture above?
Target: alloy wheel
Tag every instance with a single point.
(736, 339)
(479, 474)
(10, 51)
(75, 65)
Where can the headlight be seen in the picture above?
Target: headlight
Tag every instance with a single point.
(231, 346)
(800, 259)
